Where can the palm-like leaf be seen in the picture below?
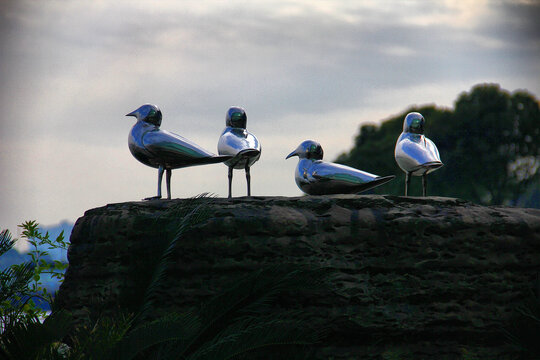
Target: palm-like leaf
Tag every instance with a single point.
(173, 328)
(190, 212)
(14, 289)
(276, 331)
(31, 339)
(237, 322)
(98, 340)
(6, 242)
(250, 298)
(240, 322)
(523, 330)
(14, 280)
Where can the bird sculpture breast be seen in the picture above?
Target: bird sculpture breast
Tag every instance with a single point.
(317, 177)
(235, 140)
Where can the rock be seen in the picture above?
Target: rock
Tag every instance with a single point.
(414, 277)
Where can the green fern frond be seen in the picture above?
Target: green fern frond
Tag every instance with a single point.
(252, 295)
(6, 242)
(257, 334)
(30, 339)
(176, 327)
(14, 280)
(98, 340)
(255, 291)
(190, 213)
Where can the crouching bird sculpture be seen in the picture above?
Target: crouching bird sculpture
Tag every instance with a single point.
(317, 177)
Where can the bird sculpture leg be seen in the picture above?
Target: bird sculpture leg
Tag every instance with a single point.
(424, 185)
(168, 180)
(248, 179)
(230, 181)
(407, 182)
(160, 178)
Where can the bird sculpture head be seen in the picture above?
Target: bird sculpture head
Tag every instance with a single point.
(148, 113)
(308, 149)
(414, 123)
(236, 117)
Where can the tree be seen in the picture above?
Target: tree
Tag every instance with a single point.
(490, 145)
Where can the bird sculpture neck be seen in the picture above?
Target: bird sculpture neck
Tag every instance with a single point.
(149, 124)
(237, 131)
(413, 136)
(145, 125)
(306, 162)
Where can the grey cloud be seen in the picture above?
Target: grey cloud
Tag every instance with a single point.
(71, 70)
(524, 26)
(275, 65)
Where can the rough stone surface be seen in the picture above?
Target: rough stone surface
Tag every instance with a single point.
(416, 278)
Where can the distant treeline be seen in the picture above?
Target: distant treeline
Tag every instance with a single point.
(489, 143)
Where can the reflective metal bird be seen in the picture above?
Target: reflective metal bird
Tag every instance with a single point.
(236, 141)
(162, 149)
(316, 177)
(415, 154)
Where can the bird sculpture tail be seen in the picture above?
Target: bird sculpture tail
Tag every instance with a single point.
(248, 153)
(374, 183)
(215, 159)
(242, 156)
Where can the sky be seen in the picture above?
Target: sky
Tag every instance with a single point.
(302, 69)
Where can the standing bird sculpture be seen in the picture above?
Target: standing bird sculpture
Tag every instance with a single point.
(239, 143)
(415, 154)
(162, 149)
(316, 177)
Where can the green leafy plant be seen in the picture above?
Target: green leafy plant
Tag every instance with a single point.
(524, 328)
(21, 287)
(243, 321)
(29, 338)
(234, 323)
(14, 290)
(240, 322)
(38, 241)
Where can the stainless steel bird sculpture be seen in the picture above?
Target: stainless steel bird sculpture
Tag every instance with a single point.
(162, 149)
(316, 177)
(239, 143)
(415, 154)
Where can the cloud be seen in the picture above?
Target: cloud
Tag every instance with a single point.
(301, 68)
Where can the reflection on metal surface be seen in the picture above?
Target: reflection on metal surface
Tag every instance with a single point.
(414, 153)
(316, 177)
(239, 143)
(162, 149)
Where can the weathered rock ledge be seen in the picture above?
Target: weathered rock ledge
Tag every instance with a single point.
(427, 277)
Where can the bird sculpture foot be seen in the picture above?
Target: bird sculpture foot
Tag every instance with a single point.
(153, 198)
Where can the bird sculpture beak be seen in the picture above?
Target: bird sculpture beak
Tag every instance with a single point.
(292, 154)
(133, 113)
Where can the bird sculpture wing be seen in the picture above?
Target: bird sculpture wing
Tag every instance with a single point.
(176, 151)
(329, 178)
(432, 150)
(414, 153)
(241, 144)
(340, 173)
